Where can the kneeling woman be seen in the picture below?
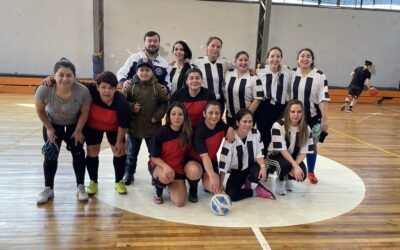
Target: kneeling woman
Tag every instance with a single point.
(170, 144)
(244, 160)
(291, 141)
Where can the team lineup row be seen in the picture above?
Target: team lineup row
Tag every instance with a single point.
(185, 148)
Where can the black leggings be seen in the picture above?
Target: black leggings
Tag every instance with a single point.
(236, 180)
(64, 133)
(265, 116)
(282, 167)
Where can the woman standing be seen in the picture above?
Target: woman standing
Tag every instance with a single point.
(194, 97)
(214, 68)
(180, 65)
(63, 109)
(291, 141)
(275, 78)
(244, 160)
(241, 90)
(202, 162)
(169, 147)
(310, 86)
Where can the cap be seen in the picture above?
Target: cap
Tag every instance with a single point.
(144, 61)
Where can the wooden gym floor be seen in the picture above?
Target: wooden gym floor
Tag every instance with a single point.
(366, 141)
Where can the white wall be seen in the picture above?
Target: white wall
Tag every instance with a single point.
(341, 40)
(126, 21)
(37, 33)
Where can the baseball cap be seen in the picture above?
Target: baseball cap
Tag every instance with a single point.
(144, 61)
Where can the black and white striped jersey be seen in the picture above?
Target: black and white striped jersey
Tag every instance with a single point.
(240, 92)
(311, 90)
(240, 155)
(177, 76)
(213, 73)
(276, 86)
(161, 69)
(281, 141)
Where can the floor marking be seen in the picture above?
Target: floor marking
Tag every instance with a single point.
(260, 238)
(368, 116)
(396, 110)
(364, 142)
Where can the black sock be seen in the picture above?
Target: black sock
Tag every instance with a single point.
(159, 191)
(92, 164)
(193, 184)
(119, 167)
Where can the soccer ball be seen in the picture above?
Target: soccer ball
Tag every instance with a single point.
(220, 204)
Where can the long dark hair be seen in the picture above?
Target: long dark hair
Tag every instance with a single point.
(186, 132)
(303, 128)
(186, 50)
(312, 56)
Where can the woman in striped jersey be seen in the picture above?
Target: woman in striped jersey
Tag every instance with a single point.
(214, 68)
(180, 65)
(241, 90)
(244, 160)
(275, 78)
(310, 86)
(291, 141)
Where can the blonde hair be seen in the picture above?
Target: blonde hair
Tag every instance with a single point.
(303, 127)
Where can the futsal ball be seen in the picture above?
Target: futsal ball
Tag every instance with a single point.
(373, 91)
(220, 204)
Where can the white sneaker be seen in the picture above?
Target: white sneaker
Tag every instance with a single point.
(289, 185)
(280, 186)
(45, 195)
(81, 193)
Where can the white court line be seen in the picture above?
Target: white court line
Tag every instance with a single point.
(260, 237)
(396, 110)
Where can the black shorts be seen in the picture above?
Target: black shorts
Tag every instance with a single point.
(94, 136)
(177, 176)
(214, 164)
(355, 91)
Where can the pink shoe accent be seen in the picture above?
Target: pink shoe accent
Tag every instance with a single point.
(158, 200)
(247, 185)
(263, 192)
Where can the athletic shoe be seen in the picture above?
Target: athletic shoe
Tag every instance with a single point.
(45, 195)
(120, 187)
(289, 185)
(128, 179)
(263, 192)
(158, 199)
(280, 186)
(312, 178)
(343, 107)
(192, 197)
(247, 185)
(92, 189)
(349, 111)
(81, 193)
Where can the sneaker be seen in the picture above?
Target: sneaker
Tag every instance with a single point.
(92, 189)
(81, 193)
(192, 197)
(158, 199)
(312, 178)
(289, 185)
(247, 185)
(349, 111)
(280, 186)
(343, 107)
(45, 195)
(128, 179)
(120, 187)
(263, 192)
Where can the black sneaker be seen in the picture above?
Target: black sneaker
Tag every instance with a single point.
(349, 111)
(343, 107)
(128, 179)
(193, 195)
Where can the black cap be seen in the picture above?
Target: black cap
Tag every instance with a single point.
(144, 61)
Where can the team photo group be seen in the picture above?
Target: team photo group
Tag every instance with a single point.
(206, 119)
